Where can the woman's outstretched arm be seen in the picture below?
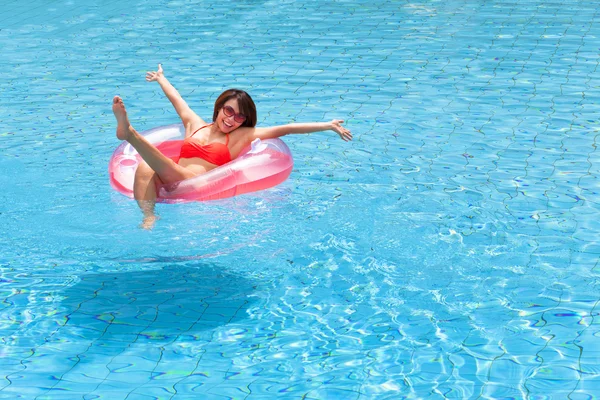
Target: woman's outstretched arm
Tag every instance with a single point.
(186, 114)
(298, 128)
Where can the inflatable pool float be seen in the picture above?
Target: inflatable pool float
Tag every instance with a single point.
(264, 164)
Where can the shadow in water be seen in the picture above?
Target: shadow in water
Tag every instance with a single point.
(157, 304)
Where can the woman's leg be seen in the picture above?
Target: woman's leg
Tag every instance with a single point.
(167, 170)
(144, 191)
(156, 170)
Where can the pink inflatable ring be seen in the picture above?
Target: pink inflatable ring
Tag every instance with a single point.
(260, 166)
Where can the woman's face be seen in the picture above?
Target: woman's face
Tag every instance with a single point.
(229, 117)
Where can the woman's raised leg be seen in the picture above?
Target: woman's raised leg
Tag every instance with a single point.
(168, 171)
(157, 168)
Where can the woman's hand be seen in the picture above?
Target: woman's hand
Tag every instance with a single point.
(336, 126)
(152, 76)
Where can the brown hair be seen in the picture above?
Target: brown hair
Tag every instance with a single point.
(245, 104)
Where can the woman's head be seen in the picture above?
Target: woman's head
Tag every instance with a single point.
(232, 106)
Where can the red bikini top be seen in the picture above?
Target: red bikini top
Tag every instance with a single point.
(215, 153)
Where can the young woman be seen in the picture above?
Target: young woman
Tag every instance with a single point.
(206, 145)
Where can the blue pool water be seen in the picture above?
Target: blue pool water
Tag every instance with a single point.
(450, 251)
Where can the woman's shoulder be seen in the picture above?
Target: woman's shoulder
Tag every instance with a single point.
(194, 126)
(242, 136)
(245, 132)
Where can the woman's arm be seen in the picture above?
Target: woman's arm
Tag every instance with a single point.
(309, 127)
(186, 114)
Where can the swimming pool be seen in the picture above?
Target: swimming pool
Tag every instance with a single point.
(450, 251)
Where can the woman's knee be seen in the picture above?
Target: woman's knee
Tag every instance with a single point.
(144, 171)
(145, 183)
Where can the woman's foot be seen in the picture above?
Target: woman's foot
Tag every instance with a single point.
(124, 128)
(147, 207)
(148, 222)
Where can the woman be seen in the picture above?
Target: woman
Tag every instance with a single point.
(206, 146)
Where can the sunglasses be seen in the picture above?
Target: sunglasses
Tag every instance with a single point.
(230, 112)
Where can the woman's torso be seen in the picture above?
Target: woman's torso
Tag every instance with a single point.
(200, 155)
